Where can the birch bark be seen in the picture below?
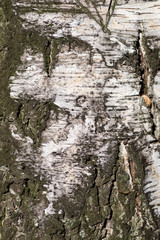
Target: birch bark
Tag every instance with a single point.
(80, 123)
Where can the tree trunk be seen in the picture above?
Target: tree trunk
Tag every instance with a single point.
(80, 122)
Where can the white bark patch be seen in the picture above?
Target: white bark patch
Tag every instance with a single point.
(30, 78)
(156, 106)
(124, 155)
(152, 180)
(156, 88)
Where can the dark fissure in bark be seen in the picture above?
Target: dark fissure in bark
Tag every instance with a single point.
(115, 169)
(140, 64)
(153, 125)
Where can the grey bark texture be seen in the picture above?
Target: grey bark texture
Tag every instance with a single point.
(79, 120)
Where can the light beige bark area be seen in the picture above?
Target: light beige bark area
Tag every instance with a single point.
(85, 125)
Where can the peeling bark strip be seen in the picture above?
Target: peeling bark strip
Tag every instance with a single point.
(81, 122)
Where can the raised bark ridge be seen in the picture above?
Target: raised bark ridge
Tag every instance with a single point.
(81, 124)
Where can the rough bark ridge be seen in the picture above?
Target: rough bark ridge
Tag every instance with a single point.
(80, 122)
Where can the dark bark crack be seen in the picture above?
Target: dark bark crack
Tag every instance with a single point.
(113, 181)
(144, 73)
(142, 66)
(47, 58)
(114, 173)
